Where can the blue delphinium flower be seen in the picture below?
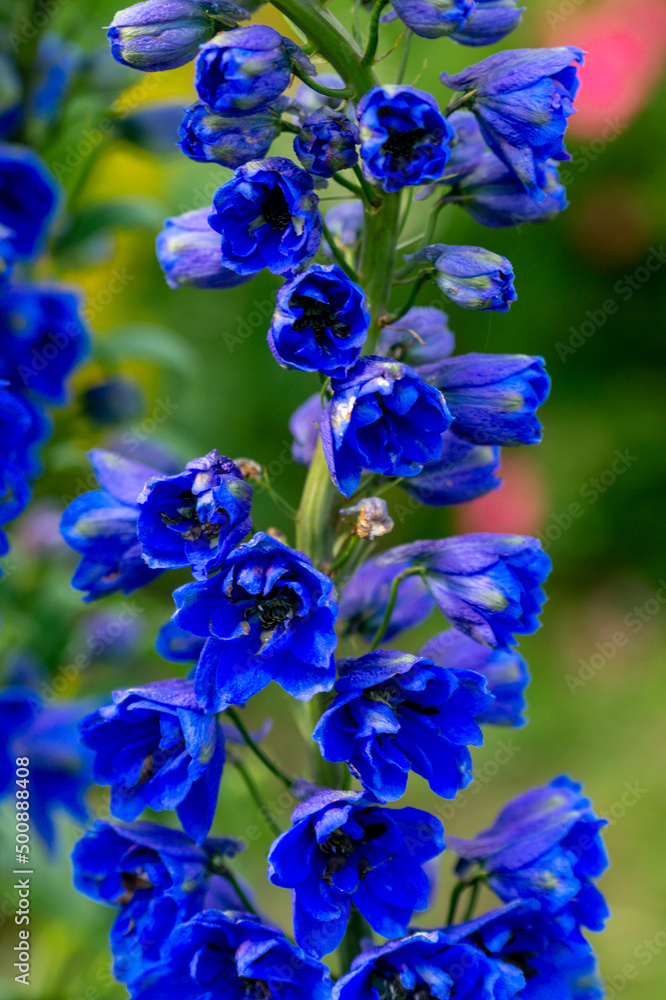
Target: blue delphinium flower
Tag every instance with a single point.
(491, 21)
(320, 322)
(43, 339)
(195, 517)
(434, 18)
(304, 425)
(471, 277)
(405, 140)
(327, 142)
(396, 713)
(158, 750)
(522, 99)
(102, 526)
(488, 586)
(267, 216)
(558, 965)
(365, 597)
(243, 71)
(464, 472)
(23, 427)
(232, 955)
(384, 418)
(189, 253)
(493, 397)
(488, 190)
(345, 222)
(209, 137)
(268, 615)
(430, 964)
(504, 669)
(344, 848)
(157, 878)
(59, 768)
(420, 337)
(155, 36)
(544, 845)
(28, 198)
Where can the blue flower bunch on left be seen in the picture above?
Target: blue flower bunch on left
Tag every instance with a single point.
(42, 330)
(322, 611)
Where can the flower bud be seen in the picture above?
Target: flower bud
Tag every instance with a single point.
(158, 35)
(243, 71)
(327, 142)
(373, 518)
(206, 136)
(434, 18)
(472, 277)
(189, 253)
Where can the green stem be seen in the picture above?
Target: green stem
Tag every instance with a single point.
(469, 912)
(379, 635)
(278, 500)
(343, 93)
(325, 772)
(346, 554)
(256, 749)
(256, 795)
(406, 45)
(378, 258)
(354, 188)
(373, 36)
(458, 889)
(370, 195)
(337, 253)
(357, 929)
(313, 524)
(411, 299)
(220, 868)
(331, 39)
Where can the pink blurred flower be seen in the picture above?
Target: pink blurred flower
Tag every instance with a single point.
(518, 508)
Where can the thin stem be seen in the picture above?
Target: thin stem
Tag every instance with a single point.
(290, 127)
(406, 45)
(219, 867)
(343, 94)
(458, 889)
(370, 195)
(337, 253)
(278, 500)
(386, 620)
(256, 795)
(405, 211)
(373, 36)
(358, 928)
(411, 299)
(347, 552)
(354, 188)
(469, 912)
(325, 772)
(256, 750)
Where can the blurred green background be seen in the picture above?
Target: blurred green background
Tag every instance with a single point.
(591, 300)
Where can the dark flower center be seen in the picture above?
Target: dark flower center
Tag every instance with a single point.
(318, 317)
(186, 515)
(400, 145)
(132, 882)
(256, 989)
(392, 989)
(339, 846)
(275, 209)
(273, 611)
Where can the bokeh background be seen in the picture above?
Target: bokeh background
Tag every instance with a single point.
(591, 300)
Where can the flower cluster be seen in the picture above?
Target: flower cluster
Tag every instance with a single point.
(42, 332)
(396, 407)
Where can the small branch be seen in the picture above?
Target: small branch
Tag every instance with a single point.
(386, 620)
(256, 750)
(373, 36)
(343, 94)
(370, 195)
(256, 795)
(416, 287)
(337, 253)
(405, 56)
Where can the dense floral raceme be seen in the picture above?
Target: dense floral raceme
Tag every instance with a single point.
(395, 713)
(405, 140)
(342, 848)
(157, 749)
(268, 615)
(267, 216)
(320, 322)
(156, 878)
(384, 418)
(387, 403)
